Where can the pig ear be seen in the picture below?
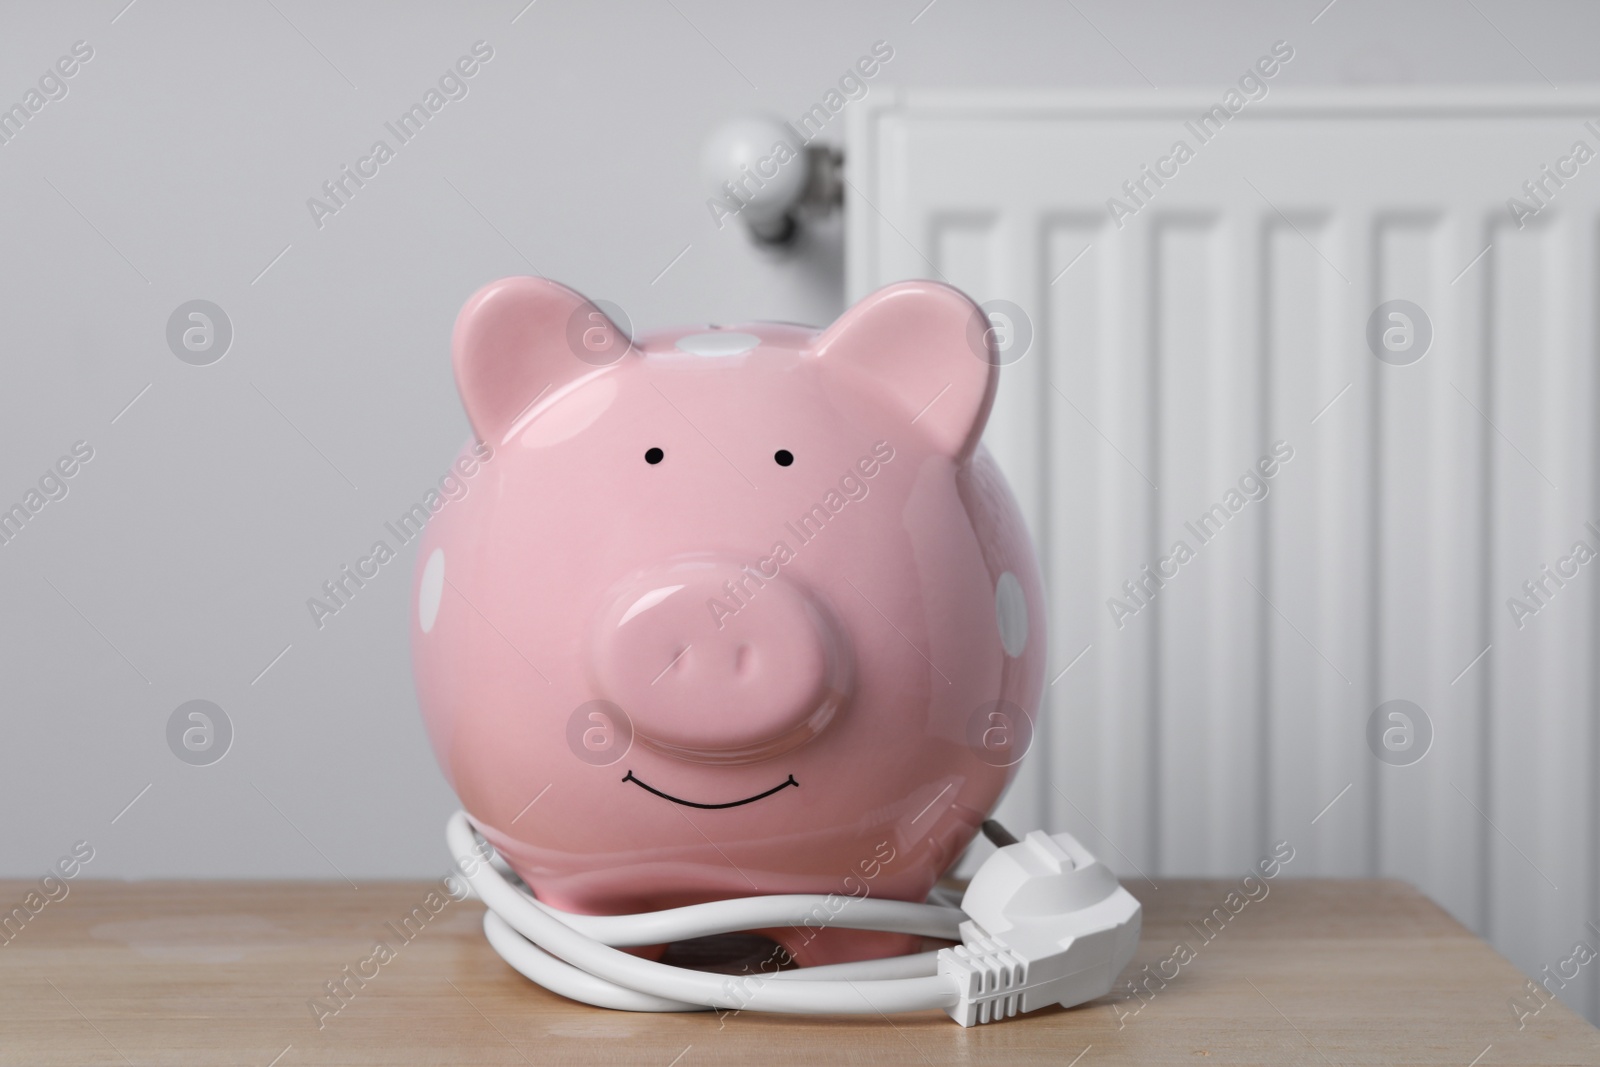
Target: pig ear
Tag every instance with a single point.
(929, 346)
(519, 338)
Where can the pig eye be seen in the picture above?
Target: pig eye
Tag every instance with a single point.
(654, 455)
(784, 457)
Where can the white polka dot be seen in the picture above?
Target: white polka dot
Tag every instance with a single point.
(1011, 613)
(432, 590)
(721, 343)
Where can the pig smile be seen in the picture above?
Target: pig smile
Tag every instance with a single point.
(629, 777)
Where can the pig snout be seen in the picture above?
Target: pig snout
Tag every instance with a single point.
(715, 662)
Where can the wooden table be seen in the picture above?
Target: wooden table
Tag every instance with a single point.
(1318, 972)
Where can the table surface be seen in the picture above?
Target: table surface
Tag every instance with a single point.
(1319, 971)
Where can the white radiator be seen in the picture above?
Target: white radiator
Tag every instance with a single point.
(1177, 338)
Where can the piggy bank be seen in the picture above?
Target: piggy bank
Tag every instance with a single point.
(728, 610)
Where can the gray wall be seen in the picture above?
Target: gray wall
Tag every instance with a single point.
(178, 166)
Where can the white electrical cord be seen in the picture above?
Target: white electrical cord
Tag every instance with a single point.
(1001, 968)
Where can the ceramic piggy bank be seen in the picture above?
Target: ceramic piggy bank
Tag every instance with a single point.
(728, 610)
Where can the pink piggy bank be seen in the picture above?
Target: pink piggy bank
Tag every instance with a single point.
(728, 611)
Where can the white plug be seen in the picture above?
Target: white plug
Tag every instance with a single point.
(764, 171)
(1047, 924)
(1043, 923)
